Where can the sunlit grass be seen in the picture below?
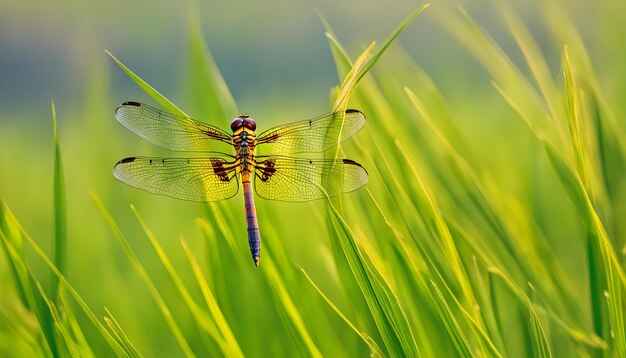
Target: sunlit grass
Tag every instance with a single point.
(437, 256)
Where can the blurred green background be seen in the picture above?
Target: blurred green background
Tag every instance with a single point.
(277, 62)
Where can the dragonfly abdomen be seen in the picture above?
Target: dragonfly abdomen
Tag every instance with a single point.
(252, 225)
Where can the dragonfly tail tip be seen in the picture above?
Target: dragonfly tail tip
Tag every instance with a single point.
(256, 262)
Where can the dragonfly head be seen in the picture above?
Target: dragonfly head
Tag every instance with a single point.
(243, 121)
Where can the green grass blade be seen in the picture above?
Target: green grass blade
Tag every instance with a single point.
(455, 331)
(374, 350)
(64, 345)
(143, 274)
(574, 120)
(17, 228)
(230, 346)
(74, 326)
(286, 305)
(403, 25)
(351, 80)
(541, 343)
(121, 336)
(150, 91)
(215, 325)
(46, 340)
(60, 210)
(384, 307)
(205, 86)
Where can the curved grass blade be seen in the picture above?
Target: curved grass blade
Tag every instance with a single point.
(14, 227)
(374, 349)
(230, 346)
(143, 274)
(150, 91)
(384, 307)
(119, 334)
(286, 305)
(216, 327)
(459, 339)
(541, 343)
(403, 25)
(206, 89)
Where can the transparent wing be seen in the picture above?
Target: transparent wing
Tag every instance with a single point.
(312, 135)
(298, 180)
(171, 131)
(194, 179)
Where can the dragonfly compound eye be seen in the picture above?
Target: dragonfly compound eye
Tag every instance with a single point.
(249, 123)
(236, 124)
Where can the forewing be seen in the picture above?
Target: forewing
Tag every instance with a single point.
(194, 179)
(171, 131)
(312, 135)
(299, 180)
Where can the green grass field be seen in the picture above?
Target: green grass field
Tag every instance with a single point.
(492, 224)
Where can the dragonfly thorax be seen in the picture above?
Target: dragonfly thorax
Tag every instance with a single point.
(243, 121)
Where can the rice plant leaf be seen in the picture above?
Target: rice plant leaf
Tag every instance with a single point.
(384, 307)
(541, 343)
(143, 274)
(374, 350)
(46, 340)
(199, 316)
(455, 331)
(575, 333)
(205, 87)
(14, 226)
(121, 336)
(403, 25)
(74, 326)
(60, 211)
(574, 119)
(286, 305)
(63, 343)
(150, 91)
(230, 346)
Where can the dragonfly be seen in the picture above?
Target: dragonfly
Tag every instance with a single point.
(216, 177)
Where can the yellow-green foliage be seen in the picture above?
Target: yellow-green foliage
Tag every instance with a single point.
(474, 236)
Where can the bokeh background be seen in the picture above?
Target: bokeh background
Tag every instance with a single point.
(276, 61)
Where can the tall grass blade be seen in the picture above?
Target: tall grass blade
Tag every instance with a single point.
(230, 346)
(285, 303)
(541, 343)
(150, 91)
(384, 307)
(143, 274)
(60, 211)
(374, 350)
(215, 324)
(15, 228)
(205, 86)
(403, 25)
(121, 336)
(455, 331)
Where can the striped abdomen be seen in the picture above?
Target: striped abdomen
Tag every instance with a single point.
(252, 225)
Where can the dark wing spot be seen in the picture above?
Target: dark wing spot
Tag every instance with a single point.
(127, 160)
(354, 111)
(350, 161)
(129, 103)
